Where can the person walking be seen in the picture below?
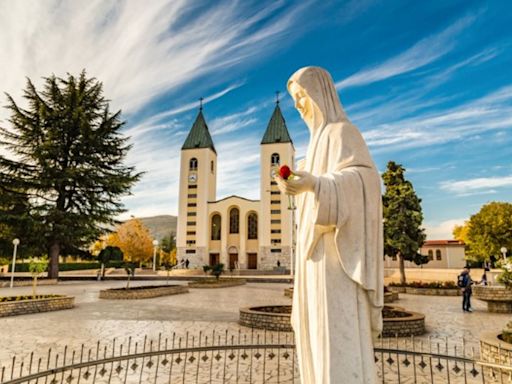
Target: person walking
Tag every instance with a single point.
(484, 281)
(187, 263)
(464, 281)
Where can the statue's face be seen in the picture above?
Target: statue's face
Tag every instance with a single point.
(303, 103)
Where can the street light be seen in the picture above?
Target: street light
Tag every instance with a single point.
(504, 252)
(155, 244)
(15, 242)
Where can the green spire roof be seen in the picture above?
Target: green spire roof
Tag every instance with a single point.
(199, 136)
(276, 130)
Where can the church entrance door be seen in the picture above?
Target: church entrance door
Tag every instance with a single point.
(214, 259)
(252, 260)
(233, 260)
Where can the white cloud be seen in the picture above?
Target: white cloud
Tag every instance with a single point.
(145, 52)
(138, 51)
(477, 185)
(491, 112)
(420, 54)
(442, 230)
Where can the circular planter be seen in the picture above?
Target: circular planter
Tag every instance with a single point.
(427, 291)
(498, 298)
(43, 303)
(397, 321)
(390, 297)
(494, 350)
(213, 283)
(433, 291)
(397, 289)
(143, 292)
(270, 317)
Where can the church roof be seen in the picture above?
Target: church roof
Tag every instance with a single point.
(276, 130)
(199, 136)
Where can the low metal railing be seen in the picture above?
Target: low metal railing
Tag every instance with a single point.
(241, 357)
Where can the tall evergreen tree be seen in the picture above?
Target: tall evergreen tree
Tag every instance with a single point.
(67, 159)
(403, 234)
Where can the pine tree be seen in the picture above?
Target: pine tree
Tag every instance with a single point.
(67, 160)
(403, 234)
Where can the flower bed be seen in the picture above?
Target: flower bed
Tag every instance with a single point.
(270, 317)
(397, 321)
(142, 292)
(28, 283)
(402, 323)
(21, 305)
(390, 297)
(434, 288)
(498, 298)
(214, 283)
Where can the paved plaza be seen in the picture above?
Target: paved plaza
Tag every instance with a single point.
(94, 319)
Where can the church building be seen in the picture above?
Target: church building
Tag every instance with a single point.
(238, 232)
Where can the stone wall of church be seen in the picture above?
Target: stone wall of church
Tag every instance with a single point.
(268, 260)
(197, 260)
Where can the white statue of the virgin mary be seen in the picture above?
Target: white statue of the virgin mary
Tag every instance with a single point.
(338, 291)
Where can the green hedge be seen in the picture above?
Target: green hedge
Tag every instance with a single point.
(23, 267)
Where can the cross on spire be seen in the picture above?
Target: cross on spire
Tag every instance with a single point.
(201, 103)
(277, 97)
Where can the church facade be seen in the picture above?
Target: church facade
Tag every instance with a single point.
(238, 232)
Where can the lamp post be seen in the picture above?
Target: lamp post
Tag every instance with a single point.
(504, 252)
(15, 242)
(155, 244)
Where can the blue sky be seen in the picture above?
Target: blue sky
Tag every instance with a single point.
(428, 83)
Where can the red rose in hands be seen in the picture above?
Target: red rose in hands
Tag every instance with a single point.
(285, 172)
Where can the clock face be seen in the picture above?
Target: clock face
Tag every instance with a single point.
(192, 178)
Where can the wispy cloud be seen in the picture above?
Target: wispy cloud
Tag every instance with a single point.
(140, 52)
(420, 54)
(145, 53)
(152, 123)
(477, 185)
(491, 112)
(233, 122)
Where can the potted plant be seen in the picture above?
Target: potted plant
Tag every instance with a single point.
(36, 269)
(217, 270)
(130, 271)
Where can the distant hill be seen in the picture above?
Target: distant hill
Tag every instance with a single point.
(160, 226)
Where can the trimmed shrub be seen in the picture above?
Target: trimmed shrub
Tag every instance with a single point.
(427, 284)
(24, 267)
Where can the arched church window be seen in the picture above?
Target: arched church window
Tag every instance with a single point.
(252, 226)
(275, 159)
(234, 221)
(212, 166)
(438, 254)
(430, 254)
(193, 164)
(215, 229)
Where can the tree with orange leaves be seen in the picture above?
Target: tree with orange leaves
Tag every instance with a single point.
(134, 239)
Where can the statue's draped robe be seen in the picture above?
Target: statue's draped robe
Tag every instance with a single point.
(338, 292)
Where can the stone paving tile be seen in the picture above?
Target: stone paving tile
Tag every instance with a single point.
(202, 310)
